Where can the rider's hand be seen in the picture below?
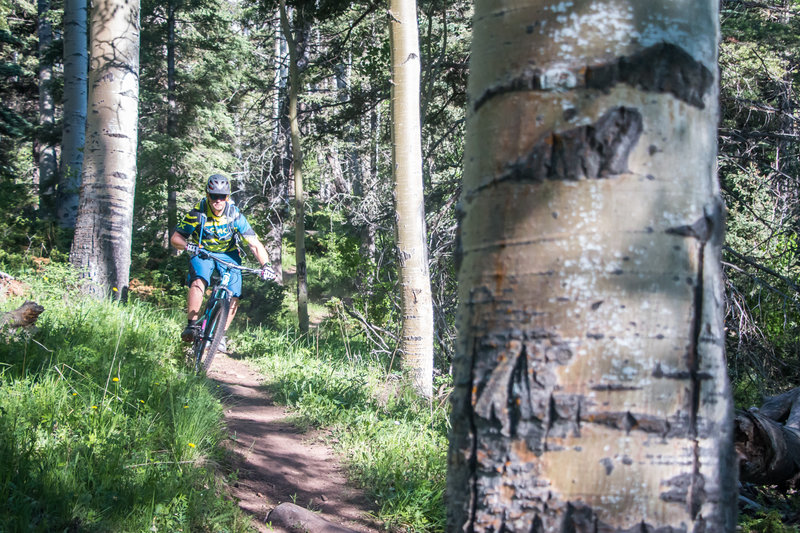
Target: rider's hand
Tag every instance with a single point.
(267, 273)
(192, 248)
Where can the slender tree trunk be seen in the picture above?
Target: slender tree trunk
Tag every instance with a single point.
(416, 344)
(74, 129)
(172, 121)
(274, 175)
(297, 166)
(276, 214)
(281, 76)
(47, 161)
(590, 380)
(102, 244)
(368, 234)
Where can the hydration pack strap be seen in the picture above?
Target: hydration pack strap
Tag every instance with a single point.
(202, 221)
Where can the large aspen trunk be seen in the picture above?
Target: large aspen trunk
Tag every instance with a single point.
(74, 128)
(297, 166)
(590, 382)
(102, 244)
(416, 342)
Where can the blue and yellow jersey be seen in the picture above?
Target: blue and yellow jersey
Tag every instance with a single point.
(218, 231)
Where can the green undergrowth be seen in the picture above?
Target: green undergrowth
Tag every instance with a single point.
(101, 427)
(765, 522)
(394, 444)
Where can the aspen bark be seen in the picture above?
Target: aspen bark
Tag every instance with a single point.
(590, 383)
(46, 152)
(101, 247)
(75, 100)
(416, 344)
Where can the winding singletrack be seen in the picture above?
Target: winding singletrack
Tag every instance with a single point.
(279, 463)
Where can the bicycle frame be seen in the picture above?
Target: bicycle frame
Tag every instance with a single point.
(219, 291)
(207, 340)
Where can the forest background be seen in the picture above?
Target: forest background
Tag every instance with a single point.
(227, 111)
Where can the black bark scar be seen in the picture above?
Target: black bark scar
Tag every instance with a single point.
(661, 68)
(595, 151)
(707, 229)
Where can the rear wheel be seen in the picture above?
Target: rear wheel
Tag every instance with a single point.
(206, 346)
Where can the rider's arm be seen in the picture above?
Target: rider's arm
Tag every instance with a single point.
(178, 241)
(180, 237)
(258, 249)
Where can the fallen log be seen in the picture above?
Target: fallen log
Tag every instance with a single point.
(295, 518)
(22, 317)
(767, 440)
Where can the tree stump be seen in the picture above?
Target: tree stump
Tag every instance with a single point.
(767, 440)
(22, 317)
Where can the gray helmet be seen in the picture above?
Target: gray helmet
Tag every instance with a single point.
(218, 184)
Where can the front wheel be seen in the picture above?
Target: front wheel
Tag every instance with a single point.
(206, 345)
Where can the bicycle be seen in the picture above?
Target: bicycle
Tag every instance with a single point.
(215, 314)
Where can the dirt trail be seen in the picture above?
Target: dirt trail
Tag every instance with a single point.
(277, 462)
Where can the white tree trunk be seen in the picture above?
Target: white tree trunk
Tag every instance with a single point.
(590, 385)
(74, 129)
(416, 343)
(102, 242)
(47, 161)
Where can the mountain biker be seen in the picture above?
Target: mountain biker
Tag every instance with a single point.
(214, 225)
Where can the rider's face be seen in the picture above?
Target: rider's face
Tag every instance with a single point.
(217, 203)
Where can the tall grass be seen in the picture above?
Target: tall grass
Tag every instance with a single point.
(101, 429)
(394, 443)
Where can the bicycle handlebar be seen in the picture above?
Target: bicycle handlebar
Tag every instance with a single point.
(206, 255)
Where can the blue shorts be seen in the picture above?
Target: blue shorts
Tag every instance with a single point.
(203, 268)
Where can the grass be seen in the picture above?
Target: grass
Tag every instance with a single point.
(101, 427)
(394, 444)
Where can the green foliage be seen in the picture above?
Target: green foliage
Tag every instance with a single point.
(262, 303)
(159, 277)
(769, 522)
(333, 256)
(17, 86)
(758, 165)
(394, 443)
(101, 429)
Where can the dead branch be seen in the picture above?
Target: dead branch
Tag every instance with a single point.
(374, 333)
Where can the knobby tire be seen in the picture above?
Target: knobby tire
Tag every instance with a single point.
(207, 346)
